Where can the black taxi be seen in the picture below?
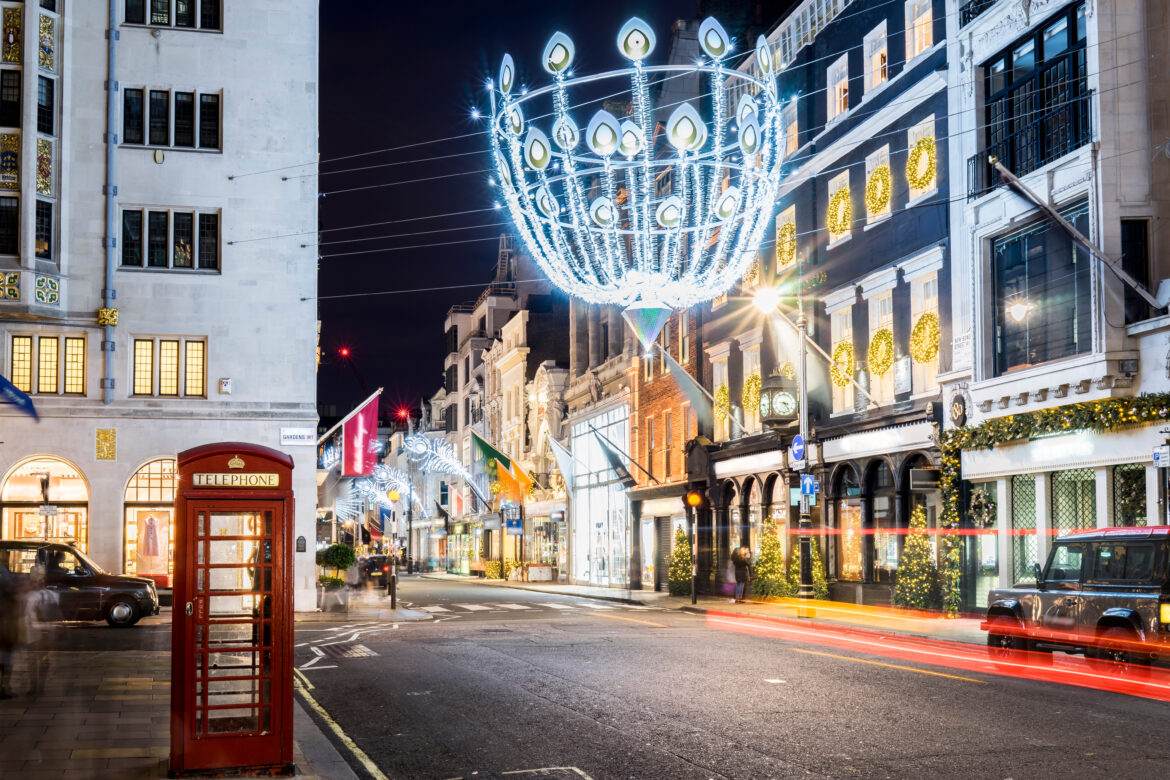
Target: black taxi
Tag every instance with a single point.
(1103, 592)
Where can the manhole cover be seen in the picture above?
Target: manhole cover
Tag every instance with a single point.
(347, 651)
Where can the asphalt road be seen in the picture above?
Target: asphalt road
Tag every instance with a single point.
(505, 683)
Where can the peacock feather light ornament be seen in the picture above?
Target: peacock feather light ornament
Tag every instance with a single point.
(615, 213)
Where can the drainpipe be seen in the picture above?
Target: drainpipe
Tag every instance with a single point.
(108, 317)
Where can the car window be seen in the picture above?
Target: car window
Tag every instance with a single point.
(18, 560)
(1066, 562)
(62, 562)
(1129, 562)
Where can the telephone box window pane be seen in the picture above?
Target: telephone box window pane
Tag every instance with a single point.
(156, 240)
(195, 369)
(132, 238)
(47, 364)
(160, 119)
(184, 119)
(143, 367)
(22, 363)
(168, 368)
(132, 131)
(75, 366)
(184, 239)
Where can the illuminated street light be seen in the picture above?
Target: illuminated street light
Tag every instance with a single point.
(1018, 311)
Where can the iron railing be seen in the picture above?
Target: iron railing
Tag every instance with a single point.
(972, 9)
(1052, 134)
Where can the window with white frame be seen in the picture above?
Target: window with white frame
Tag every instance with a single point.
(791, 130)
(876, 57)
(169, 366)
(48, 364)
(722, 398)
(751, 407)
(919, 27)
(923, 299)
(922, 158)
(881, 318)
(147, 118)
(664, 347)
(879, 185)
(647, 367)
(840, 209)
(837, 87)
(841, 322)
(650, 444)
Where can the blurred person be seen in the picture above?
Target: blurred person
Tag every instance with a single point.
(42, 611)
(742, 560)
(12, 626)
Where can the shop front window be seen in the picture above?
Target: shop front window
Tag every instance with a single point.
(983, 545)
(1129, 495)
(1024, 547)
(150, 523)
(1074, 500)
(849, 537)
(601, 520)
(884, 524)
(46, 498)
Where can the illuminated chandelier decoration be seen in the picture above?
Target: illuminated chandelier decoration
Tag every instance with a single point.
(377, 488)
(437, 456)
(617, 215)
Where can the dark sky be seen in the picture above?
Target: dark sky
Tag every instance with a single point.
(408, 73)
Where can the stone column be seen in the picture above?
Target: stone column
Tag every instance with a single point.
(617, 327)
(578, 338)
(593, 315)
(635, 545)
(723, 530)
(1103, 479)
(1154, 511)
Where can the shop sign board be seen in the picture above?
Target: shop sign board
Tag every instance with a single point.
(236, 479)
(515, 526)
(47, 510)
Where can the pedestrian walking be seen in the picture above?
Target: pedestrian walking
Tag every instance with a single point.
(42, 611)
(742, 560)
(12, 626)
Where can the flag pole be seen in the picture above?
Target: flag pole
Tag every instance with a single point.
(349, 416)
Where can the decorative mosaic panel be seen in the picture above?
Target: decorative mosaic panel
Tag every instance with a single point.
(12, 24)
(10, 286)
(107, 444)
(48, 290)
(44, 166)
(48, 43)
(9, 161)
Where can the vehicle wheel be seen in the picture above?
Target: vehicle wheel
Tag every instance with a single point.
(122, 613)
(1004, 647)
(1115, 654)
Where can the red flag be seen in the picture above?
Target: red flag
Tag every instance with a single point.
(359, 434)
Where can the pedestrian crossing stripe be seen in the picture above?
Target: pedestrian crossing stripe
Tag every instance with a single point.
(555, 606)
(434, 609)
(599, 606)
(513, 606)
(473, 607)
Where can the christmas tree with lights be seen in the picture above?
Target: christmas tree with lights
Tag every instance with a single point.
(820, 582)
(679, 573)
(917, 579)
(769, 579)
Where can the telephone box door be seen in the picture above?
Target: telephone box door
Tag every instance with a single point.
(232, 708)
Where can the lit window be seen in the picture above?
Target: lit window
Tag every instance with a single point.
(839, 214)
(922, 159)
(838, 87)
(664, 347)
(842, 332)
(172, 364)
(879, 185)
(196, 368)
(42, 357)
(143, 367)
(22, 363)
(684, 338)
(876, 57)
(881, 318)
(923, 300)
(75, 366)
(172, 239)
(791, 130)
(47, 357)
(919, 27)
(168, 367)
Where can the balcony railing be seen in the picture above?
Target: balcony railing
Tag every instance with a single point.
(1053, 134)
(972, 9)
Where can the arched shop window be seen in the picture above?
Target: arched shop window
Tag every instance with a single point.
(847, 509)
(884, 522)
(150, 522)
(46, 498)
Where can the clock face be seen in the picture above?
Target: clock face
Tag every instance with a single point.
(783, 403)
(765, 405)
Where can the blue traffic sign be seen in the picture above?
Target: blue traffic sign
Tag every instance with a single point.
(808, 485)
(798, 447)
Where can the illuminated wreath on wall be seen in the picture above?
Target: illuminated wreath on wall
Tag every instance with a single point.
(924, 338)
(840, 213)
(881, 352)
(751, 277)
(722, 402)
(842, 366)
(751, 391)
(922, 156)
(786, 244)
(877, 190)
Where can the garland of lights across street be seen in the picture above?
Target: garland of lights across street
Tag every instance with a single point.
(613, 217)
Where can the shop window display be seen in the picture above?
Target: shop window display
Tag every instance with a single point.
(849, 538)
(46, 482)
(150, 522)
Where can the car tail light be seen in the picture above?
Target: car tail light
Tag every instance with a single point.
(387, 568)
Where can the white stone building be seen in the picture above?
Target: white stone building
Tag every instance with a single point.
(1071, 97)
(128, 312)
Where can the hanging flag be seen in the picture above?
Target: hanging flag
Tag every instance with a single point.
(615, 460)
(564, 461)
(704, 409)
(508, 471)
(359, 434)
(386, 524)
(11, 394)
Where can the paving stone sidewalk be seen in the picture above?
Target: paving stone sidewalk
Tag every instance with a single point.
(107, 715)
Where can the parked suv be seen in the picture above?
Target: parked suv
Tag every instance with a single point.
(84, 590)
(1104, 593)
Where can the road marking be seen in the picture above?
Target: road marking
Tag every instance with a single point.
(513, 606)
(551, 605)
(632, 620)
(634, 606)
(434, 609)
(598, 606)
(319, 668)
(572, 769)
(775, 682)
(891, 666)
(473, 607)
(358, 753)
(303, 680)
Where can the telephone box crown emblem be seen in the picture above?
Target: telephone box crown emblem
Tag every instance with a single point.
(236, 462)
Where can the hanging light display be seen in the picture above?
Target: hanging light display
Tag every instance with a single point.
(387, 486)
(616, 214)
(437, 456)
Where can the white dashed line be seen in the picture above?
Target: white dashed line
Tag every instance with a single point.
(513, 606)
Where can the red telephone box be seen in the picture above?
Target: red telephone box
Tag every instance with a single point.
(231, 653)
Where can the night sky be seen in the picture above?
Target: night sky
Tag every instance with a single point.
(398, 74)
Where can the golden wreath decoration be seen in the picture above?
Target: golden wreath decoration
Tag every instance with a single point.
(788, 370)
(880, 356)
(924, 338)
(722, 402)
(878, 189)
(840, 214)
(751, 277)
(921, 156)
(495, 488)
(751, 391)
(841, 369)
(786, 244)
